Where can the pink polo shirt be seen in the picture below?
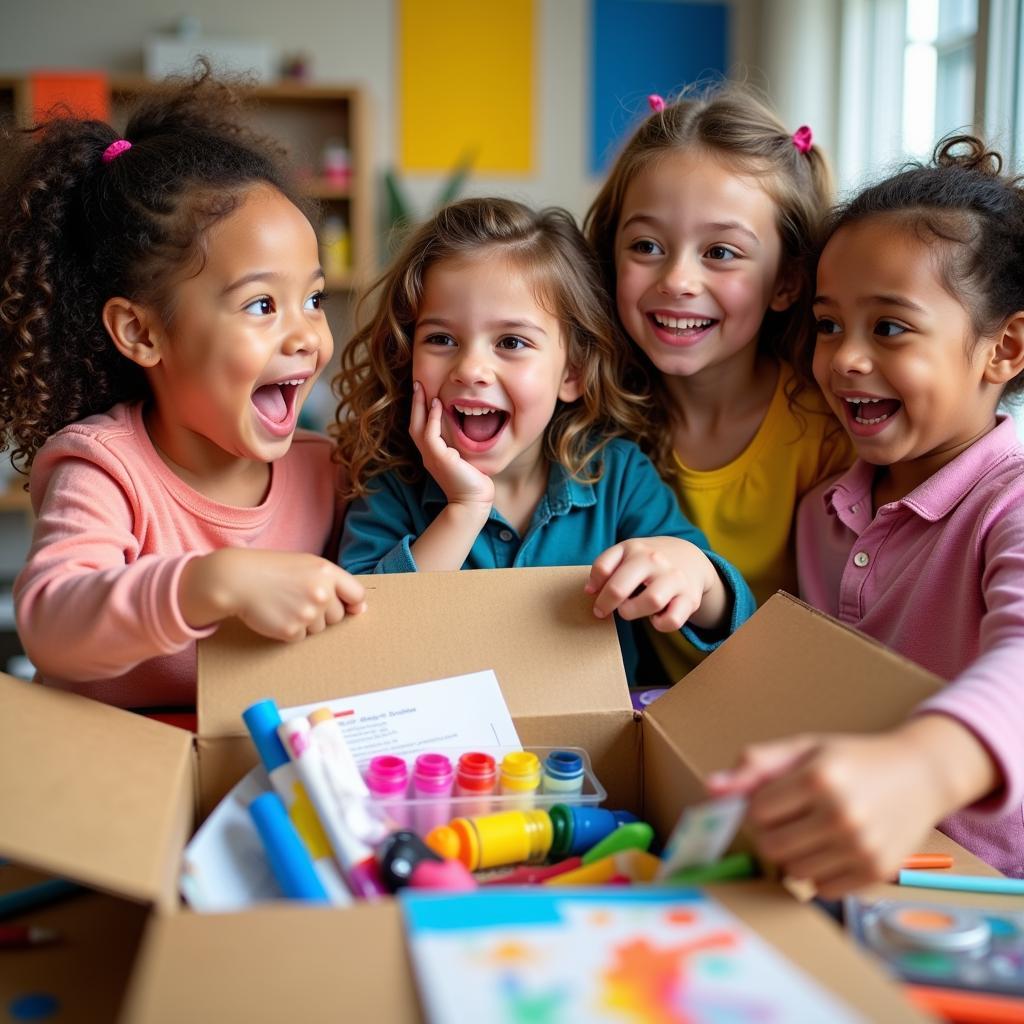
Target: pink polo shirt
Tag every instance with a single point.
(939, 577)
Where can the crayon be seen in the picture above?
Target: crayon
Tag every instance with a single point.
(963, 883)
(20, 936)
(35, 896)
(925, 861)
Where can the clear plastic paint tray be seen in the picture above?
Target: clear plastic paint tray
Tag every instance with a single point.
(410, 809)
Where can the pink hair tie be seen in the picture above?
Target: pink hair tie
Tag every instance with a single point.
(115, 149)
(656, 103)
(802, 139)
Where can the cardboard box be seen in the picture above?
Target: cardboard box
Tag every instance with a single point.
(107, 798)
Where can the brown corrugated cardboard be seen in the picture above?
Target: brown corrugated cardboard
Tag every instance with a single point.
(122, 781)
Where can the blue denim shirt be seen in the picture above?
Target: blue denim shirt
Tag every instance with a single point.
(572, 524)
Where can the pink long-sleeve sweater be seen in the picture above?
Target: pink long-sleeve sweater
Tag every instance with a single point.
(96, 602)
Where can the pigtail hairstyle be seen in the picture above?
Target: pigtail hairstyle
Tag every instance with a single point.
(77, 229)
(374, 386)
(975, 213)
(734, 125)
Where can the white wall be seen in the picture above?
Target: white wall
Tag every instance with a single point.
(354, 41)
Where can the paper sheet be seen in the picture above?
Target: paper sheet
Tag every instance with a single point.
(224, 867)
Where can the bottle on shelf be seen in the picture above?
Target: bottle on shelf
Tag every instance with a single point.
(335, 246)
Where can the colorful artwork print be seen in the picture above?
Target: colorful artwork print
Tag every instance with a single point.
(652, 956)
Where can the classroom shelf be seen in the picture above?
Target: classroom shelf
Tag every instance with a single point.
(306, 120)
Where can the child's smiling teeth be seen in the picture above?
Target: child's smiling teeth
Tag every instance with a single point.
(889, 409)
(473, 411)
(479, 423)
(681, 323)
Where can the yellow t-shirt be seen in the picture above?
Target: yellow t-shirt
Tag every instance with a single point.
(747, 509)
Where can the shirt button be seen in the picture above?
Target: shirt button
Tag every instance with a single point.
(853, 508)
(861, 559)
(505, 535)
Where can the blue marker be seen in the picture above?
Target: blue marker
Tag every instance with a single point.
(563, 773)
(288, 857)
(262, 720)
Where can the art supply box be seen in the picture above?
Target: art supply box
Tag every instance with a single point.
(108, 798)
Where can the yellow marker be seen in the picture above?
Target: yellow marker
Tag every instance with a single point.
(492, 840)
(520, 776)
(636, 865)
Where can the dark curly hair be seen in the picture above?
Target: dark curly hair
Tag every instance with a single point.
(962, 201)
(75, 231)
(374, 386)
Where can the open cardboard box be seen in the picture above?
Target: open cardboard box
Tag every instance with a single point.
(109, 799)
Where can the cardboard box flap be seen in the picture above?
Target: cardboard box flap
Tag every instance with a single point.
(789, 669)
(92, 793)
(534, 627)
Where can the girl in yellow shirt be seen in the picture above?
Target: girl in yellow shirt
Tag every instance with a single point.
(705, 231)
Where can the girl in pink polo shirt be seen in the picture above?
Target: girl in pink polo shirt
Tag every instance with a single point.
(920, 334)
(161, 325)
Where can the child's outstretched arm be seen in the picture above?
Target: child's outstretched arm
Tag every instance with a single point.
(668, 579)
(843, 811)
(447, 541)
(92, 604)
(283, 595)
(686, 584)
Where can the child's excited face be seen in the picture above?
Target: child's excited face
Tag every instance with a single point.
(697, 263)
(495, 357)
(247, 339)
(896, 354)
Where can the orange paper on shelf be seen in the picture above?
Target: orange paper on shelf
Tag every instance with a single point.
(80, 93)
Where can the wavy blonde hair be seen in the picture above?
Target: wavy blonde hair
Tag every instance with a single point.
(374, 385)
(731, 123)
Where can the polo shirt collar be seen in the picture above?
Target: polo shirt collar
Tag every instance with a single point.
(941, 492)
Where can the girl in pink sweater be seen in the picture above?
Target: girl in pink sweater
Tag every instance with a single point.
(161, 325)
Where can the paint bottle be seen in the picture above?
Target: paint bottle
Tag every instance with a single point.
(432, 780)
(476, 776)
(576, 829)
(563, 774)
(492, 840)
(387, 779)
(520, 778)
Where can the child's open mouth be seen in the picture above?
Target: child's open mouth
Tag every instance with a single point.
(681, 329)
(871, 413)
(275, 404)
(479, 426)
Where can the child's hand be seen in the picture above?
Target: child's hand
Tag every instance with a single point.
(679, 583)
(278, 594)
(462, 483)
(843, 811)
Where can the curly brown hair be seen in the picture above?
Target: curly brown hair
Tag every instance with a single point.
(76, 231)
(972, 216)
(374, 386)
(733, 122)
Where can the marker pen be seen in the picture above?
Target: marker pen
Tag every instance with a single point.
(432, 778)
(493, 840)
(520, 776)
(636, 865)
(577, 829)
(387, 778)
(351, 795)
(563, 774)
(262, 720)
(288, 857)
(476, 775)
(354, 856)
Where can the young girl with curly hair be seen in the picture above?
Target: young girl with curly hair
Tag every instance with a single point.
(161, 325)
(482, 421)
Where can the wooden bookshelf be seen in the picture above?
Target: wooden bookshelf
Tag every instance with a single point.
(304, 119)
